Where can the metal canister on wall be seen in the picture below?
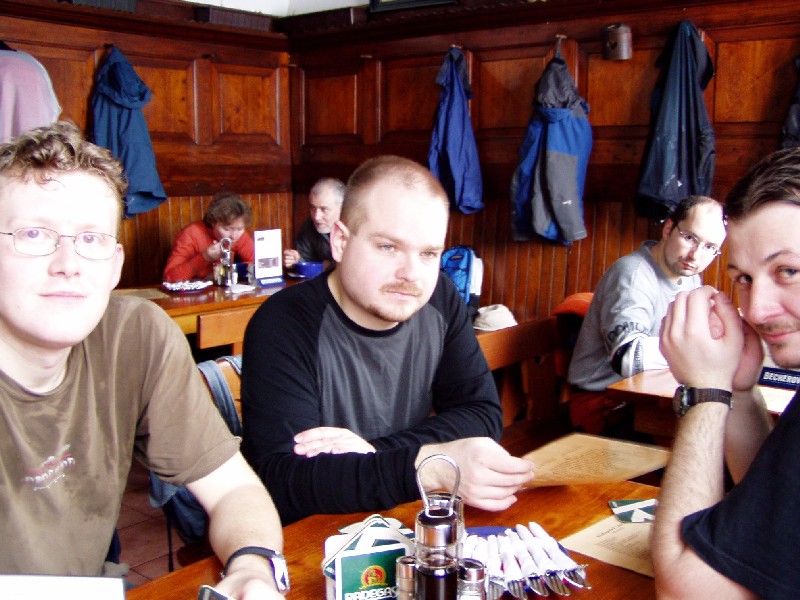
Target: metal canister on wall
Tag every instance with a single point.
(617, 42)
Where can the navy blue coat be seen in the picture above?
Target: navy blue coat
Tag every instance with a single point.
(119, 125)
(680, 157)
(791, 126)
(453, 153)
(547, 186)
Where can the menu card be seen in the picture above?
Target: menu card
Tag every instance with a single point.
(268, 253)
(580, 458)
(625, 545)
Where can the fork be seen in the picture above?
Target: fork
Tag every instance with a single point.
(515, 582)
(526, 564)
(571, 571)
(494, 570)
(547, 569)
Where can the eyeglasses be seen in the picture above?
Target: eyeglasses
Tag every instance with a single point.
(39, 241)
(693, 241)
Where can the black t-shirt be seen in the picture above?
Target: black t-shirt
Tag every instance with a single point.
(306, 364)
(753, 534)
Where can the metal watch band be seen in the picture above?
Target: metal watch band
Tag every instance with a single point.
(276, 559)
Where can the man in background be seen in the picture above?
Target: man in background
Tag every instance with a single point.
(619, 335)
(708, 542)
(351, 379)
(89, 381)
(312, 243)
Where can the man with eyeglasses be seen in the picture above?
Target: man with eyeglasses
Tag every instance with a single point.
(89, 381)
(619, 335)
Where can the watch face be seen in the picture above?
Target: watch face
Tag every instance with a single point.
(680, 402)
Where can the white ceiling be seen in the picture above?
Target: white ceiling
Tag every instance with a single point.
(281, 8)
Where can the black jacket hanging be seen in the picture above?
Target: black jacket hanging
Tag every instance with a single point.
(680, 156)
(791, 126)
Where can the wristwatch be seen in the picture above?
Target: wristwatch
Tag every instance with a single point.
(686, 397)
(278, 561)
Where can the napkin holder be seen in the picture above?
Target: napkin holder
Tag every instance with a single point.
(360, 563)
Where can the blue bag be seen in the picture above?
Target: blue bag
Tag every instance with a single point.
(465, 269)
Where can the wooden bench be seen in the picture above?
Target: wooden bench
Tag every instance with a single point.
(224, 328)
(523, 358)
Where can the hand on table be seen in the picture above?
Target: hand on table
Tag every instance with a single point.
(330, 440)
(490, 476)
(290, 258)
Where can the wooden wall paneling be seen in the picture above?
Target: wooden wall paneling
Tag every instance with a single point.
(332, 106)
(408, 100)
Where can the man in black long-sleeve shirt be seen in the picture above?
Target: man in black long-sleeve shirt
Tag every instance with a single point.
(350, 380)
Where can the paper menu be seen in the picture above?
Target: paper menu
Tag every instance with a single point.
(268, 261)
(579, 458)
(625, 545)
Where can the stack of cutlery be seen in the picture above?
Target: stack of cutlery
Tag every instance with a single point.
(523, 559)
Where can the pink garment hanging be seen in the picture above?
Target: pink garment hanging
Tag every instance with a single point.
(27, 98)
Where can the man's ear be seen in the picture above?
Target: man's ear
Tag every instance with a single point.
(667, 228)
(340, 234)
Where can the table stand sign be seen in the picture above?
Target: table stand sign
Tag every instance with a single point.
(268, 269)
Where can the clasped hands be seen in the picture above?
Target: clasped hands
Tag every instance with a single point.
(707, 343)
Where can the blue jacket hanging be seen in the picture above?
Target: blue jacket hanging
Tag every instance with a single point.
(119, 125)
(679, 160)
(547, 186)
(453, 153)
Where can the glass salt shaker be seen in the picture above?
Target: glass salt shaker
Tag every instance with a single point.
(471, 580)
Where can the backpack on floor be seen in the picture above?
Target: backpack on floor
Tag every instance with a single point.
(465, 269)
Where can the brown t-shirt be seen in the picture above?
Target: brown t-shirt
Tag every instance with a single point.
(131, 388)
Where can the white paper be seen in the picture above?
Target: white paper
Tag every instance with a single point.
(268, 253)
(36, 587)
(625, 545)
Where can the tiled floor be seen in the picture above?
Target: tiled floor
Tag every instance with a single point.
(143, 531)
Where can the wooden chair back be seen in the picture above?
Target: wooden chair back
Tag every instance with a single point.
(524, 355)
(224, 328)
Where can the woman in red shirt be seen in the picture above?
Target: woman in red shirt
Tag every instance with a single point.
(197, 247)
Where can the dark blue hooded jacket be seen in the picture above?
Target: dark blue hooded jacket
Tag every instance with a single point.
(119, 125)
(680, 157)
(453, 153)
(547, 186)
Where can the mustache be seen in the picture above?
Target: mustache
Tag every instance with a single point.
(402, 288)
(777, 327)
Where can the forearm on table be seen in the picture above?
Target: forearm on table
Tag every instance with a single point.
(749, 424)
(636, 354)
(339, 483)
(693, 481)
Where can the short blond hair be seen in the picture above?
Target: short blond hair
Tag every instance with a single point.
(40, 153)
